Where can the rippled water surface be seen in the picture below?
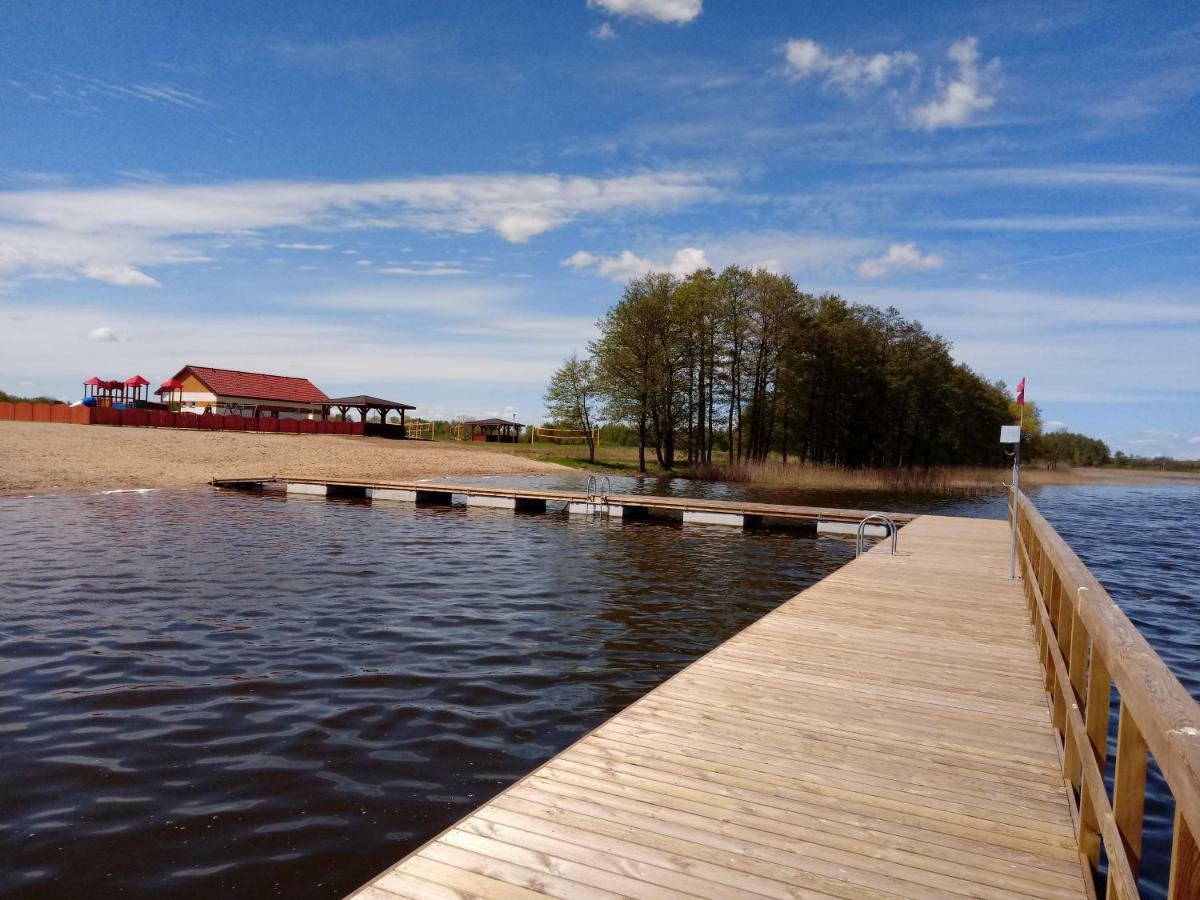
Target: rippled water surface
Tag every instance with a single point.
(220, 694)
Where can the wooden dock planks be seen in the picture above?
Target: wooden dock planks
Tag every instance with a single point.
(885, 733)
(650, 501)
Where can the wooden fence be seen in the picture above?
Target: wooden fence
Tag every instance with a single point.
(1088, 647)
(149, 418)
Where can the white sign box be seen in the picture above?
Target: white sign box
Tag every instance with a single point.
(1010, 434)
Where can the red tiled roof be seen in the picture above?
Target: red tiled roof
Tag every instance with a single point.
(257, 386)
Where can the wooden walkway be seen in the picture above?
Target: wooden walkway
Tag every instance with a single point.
(714, 512)
(885, 733)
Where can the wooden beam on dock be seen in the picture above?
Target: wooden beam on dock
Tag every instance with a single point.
(691, 509)
(885, 733)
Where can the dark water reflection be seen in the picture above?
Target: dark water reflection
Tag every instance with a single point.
(229, 695)
(211, 694)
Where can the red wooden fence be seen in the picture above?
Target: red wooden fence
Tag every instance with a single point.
(153, 418)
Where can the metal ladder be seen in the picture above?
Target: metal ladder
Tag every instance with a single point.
(875, 517)
(597, 502)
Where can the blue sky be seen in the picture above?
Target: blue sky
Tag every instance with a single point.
(435, 201)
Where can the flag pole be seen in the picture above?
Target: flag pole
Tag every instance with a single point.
(1016, 480)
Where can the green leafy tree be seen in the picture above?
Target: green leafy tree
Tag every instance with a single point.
(572, 399)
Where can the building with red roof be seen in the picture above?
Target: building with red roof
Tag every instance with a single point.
(206, 389)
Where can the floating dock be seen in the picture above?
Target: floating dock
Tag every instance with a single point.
(914, 725)
(736, 514)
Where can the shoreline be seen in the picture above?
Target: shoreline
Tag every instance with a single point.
(38, 458)
(41, 459)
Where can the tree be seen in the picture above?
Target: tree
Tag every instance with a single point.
(572, 398)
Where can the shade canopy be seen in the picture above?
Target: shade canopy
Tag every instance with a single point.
(136, 381)
(94, 381)
(361, 401)
(170, 385)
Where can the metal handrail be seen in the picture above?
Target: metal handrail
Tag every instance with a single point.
(878, 517)
(605, 488)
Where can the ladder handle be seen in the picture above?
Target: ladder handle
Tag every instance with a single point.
(880, 517)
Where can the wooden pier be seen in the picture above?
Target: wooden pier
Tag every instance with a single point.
(914, 725)
(613, 506)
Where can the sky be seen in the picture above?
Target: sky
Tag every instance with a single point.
(433, 202)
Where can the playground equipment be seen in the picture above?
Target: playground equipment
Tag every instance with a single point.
(421, 431)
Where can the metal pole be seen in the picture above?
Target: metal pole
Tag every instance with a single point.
(1016, 507)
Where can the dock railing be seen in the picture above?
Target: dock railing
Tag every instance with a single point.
(1088, 646)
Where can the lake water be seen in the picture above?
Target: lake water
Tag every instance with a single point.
(220, 694)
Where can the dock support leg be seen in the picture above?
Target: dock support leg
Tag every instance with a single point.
(442, 498)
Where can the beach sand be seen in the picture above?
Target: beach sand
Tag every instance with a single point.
(38, 457)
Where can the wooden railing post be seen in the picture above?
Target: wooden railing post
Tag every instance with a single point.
(1129, 789)
(1185, 863)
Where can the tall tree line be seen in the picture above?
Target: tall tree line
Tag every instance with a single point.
(736, 366)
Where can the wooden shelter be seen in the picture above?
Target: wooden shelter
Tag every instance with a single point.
(365, 404)
(496, 431)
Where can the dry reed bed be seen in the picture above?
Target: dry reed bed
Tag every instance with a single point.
(961, 481)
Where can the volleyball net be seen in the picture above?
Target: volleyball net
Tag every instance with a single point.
(563, 435)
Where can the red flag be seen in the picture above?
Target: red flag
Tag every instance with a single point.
(1021, 393)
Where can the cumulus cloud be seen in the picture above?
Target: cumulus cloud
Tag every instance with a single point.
(677, 12)
(119, 274)
(604, 32)
(898, 257)
(627, 264)
(775, 251)
(961, 97)
(107, 233)
(847, 71)
(103, 333)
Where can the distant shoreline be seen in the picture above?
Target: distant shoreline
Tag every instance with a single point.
(41, 458)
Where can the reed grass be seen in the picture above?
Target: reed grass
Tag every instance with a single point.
(941, 481)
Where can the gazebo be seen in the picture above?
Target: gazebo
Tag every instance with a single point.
(365, 403)
(499, 431)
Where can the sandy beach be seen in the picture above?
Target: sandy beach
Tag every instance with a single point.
(44, 458)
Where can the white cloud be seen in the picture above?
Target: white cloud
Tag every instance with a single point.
(1195, 440)
(303, 246)
(628, 265)
(102, 334)
(898, 257)
(433, 271)
(961, 97)
(677, 12)
(107, 233)
(775, 251)
(119, 274)
(1054, 426)
(604, 32)
(847, 71)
